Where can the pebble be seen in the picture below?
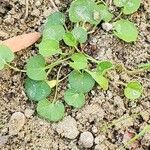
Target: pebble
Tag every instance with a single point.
(68, 128)
(107, 26)
(86, 139)
(16, 123)
(3, 140)
(35, 12)
(28, 112)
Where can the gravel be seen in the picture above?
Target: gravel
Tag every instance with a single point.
(68, 128)
(86, 139)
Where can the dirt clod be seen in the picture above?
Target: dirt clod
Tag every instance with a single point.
(68, 128)
(86, 139)
(16, 123)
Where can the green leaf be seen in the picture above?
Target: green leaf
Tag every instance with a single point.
(36, 68)
(51, 111)
(54, 32)
(102, 81)
(104, 66)
(133, 90)
(37, 90)
(80, 34)
(104, 12)
(82, 11)
(6, 55)
(69, 39)
(49, 48)
(120, 3)
(129, 6)
(80, 61)
(57, 18)
(81, 82)
(145, 66)
(125, 30)
(74, 99)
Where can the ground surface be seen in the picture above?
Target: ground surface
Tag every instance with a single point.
(100, 107)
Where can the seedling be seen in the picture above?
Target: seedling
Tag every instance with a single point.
(84, 15)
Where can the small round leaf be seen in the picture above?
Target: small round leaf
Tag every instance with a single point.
(51, 111)
(82, 11)
(36, 68)
(6, 55)
(69, 39)
(57, 18)
(81, 82)
(125, 30)
(80, 34)
(74, 99)
(54, 32)
(104, 66)
(133, 90)
(104, 12)
(120, 3)
(80, 61)
(37, 90)
(145, 66)
(49, 47)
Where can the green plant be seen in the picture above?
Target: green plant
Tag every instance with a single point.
(85, 15)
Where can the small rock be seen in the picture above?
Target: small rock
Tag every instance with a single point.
(38, 3)
(86, 139)
(35, 12)
(28, 112)
(3, 140)
(107, 26)
(94, 129)
(68, 128)
(16, 123)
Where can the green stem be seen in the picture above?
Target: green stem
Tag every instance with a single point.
(117, 17)
(57, 81)
(145, 130)
(91, 58)
(59, 61)
(14, 68)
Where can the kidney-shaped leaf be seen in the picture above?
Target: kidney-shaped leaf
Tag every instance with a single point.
(125, 30)
(6, 55)
(54, 32)
(57, 18)
(133, 90)
(36, 68)
(104, 66)
(129, 6)
(80, 61)
(81, 82)
(51, 111)
(104, 12)
(101, 80)
(37, 90)
(69, 39)
(49, 48)
(82, 10)
(80, 34)
(74, 99)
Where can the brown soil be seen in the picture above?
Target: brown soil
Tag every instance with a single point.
(101, 107)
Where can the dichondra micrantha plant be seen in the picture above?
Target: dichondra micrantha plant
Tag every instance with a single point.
(84, 16)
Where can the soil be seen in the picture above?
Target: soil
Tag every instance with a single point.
(101, 107)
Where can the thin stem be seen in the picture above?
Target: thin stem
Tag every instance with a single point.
(121, 83)
(117, 17)
(27, 9)
(57, 81)
(54, 5)
(145, 130)
(14, 68)
(77, 49)
(59, 61)
(93, 30)
(91, 58)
